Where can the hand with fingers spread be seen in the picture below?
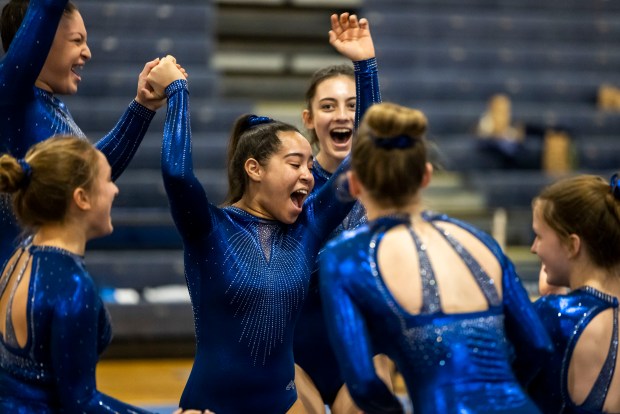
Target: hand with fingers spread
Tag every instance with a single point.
(163, 74)
(350, 36)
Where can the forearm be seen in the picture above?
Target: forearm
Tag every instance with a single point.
(367, 85)
(121, 143)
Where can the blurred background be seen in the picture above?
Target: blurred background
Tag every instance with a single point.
(518, 93)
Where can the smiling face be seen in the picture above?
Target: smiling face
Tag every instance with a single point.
(286, 179)
(69, 52)
(552, 251)
(102, 193)
(332, 117)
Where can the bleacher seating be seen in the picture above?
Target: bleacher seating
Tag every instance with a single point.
(446, 57)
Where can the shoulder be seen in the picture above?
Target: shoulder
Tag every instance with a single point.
(63, 272)
(562, 308)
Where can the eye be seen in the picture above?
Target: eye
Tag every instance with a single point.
(352, 106)
(327, 107)
(295, 165)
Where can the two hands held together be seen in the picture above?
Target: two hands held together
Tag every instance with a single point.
(154, 78)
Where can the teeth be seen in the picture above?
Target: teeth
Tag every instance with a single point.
(304, 192)
(341, 130)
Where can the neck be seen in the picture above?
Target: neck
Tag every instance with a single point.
(602, 279)
(62, 236)
(374, 212)
(329, 164)
(249, 205)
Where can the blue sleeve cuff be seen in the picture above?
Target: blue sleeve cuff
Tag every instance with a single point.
(141, 110)
(365, 65)
(176, 86)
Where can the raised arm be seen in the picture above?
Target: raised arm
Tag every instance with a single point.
(351, 38)
(121, 143)
(24, 60)
(350, 340)
(188, 201)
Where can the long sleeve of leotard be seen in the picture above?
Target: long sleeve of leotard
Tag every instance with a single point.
(121, 143)
(327, 197)
(74, 345)
(367, 91)
(524, 328)
(24, 60)
(188, 201)
(350, 339)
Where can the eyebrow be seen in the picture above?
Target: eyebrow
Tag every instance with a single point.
(298, 154)
(329, 98)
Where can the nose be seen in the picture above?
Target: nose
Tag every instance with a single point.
(533, 247)
(342, 112)
(86, 55)
(116, 190)
(306, 175)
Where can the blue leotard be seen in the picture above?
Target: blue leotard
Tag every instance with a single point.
(68, 327)
(451, 363)
(313, 351)
(247, 279)
(29, 114)
(566, 317)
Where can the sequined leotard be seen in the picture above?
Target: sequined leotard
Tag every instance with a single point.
(452, 363)
(247, 279)
(68, 327)
(566, 317)
(313, 351)
(29, 114)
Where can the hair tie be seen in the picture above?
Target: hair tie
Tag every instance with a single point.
(27, 171)
(254, 120)
(397, 142)
(615, 187)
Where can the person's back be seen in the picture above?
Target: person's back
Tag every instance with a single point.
(43, 294)
(583, 375)
(433, 302)
(434, 294)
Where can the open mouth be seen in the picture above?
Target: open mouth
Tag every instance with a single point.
(298, 197)
(77, 70)
(341, 135)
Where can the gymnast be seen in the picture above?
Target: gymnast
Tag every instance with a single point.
(434, 294)
(53, 324)
(248, 264)
(577, 226)
(46, 48)
(330, 119)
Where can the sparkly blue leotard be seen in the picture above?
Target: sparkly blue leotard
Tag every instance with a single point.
(312, 349)
(68, 327)
(566, 317)
(29, 114)
(452, 363)
(247, 279)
